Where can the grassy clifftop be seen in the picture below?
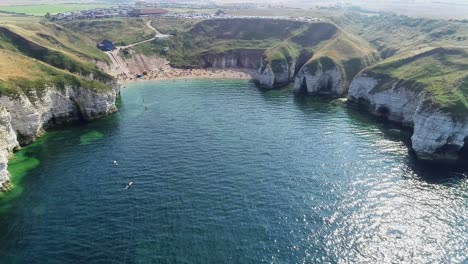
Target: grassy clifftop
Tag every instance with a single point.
(421, 54)
(280, 39)
(35, 54)
(123, 31)
(350, 54)
(394, 35)
(21, 74)
(442, 73)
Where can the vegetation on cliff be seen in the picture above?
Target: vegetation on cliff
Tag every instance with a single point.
(122, 31)
(390, 45)
(425, 55)
(395, 35)
(283, 41)
(35, 54)
(441, 73)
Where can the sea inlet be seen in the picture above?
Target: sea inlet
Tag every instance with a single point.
(225, 173)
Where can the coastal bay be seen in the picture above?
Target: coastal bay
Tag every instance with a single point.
(224, 172)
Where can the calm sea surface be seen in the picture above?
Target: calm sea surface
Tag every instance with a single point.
(225, 173)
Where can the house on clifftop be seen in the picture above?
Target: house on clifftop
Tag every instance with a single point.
(106, 45)
(147, 12)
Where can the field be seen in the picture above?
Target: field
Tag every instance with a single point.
(122, 31)
(41, 10)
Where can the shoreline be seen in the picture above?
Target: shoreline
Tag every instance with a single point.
(170, 73)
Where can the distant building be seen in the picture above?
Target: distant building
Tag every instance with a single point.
(147, 12)
(220, 12)
(106, 45)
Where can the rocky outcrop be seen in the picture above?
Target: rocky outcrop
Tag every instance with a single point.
(276, 73)
(280, 71)
(319, 81)
(243, 58)
(8, 143)
(24, 117)
(437, 135)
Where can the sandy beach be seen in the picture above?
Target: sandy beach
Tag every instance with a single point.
(167, 73)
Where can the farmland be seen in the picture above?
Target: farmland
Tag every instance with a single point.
(40, 10)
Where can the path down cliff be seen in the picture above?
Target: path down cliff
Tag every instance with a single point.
(119, 66)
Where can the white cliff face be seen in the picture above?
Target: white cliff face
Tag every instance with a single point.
(398, 104)
(319, 82)
(235, 59)
(265, 77)
(8, 143)
(32, 113)
(269, 76)
(24, 117)
(437, 135)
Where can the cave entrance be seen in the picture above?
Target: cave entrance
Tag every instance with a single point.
(303, 87)
(383, 111)
(463, 153)
(327, 86)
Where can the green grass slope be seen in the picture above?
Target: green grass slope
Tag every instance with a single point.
(35, 54)
(349, 53)
(280, 39)
(442, 73)
(394, 35)
(122, 31)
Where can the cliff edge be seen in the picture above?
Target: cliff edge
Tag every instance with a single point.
(426, 91)
(47, 78)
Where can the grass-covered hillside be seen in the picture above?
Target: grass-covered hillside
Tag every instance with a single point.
(222, 35)
(424, 54)
(35, 54)
(349, 53)
(442, 73)
(281, 40)
(122, 31)
(394, 35)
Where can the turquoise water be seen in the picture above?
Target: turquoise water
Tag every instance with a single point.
(225, 173)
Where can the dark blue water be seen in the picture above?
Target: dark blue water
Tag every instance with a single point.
(224, 173)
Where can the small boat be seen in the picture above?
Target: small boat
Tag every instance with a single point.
(115, 163)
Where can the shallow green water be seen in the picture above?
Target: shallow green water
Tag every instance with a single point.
(225, 173)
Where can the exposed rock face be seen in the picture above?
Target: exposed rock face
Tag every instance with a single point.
(275, 74)
(280, 72)
(24, 117)
(397, 104)
(320, 81)
(250, 58)
(7, 144)
(437, 135)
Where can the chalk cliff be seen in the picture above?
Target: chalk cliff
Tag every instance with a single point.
(319, 81)
(23, 117)
(438, 134)
(8, 143)
(240, 58)
(276, 73)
